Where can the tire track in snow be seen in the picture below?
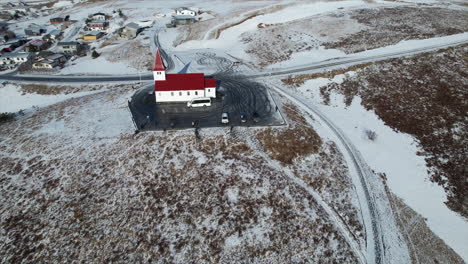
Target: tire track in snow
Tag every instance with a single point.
(375, 243)
(336, 219)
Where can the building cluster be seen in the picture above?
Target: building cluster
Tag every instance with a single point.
(44, 49)
(33, 49)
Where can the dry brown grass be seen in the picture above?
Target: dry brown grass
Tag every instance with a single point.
(299, 80)
(388, 26)
(135, 53)
(46, 89)
(294, 114)
(285, 145)
(247, 17)
(424, 96)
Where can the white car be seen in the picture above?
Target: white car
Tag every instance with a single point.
(224, 118)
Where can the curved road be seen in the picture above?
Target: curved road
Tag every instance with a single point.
(170, 65)
(374, 235)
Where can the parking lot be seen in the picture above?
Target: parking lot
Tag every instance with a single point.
(235, 96)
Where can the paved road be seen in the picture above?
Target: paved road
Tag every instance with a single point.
(148, 77)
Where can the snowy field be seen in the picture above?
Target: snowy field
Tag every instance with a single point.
(395, 153)
(82, 171)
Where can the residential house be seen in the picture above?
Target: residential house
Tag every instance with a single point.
(184, 11)
(72, 48)
(98, 16)
(54, 35)
(34, 31)
(130, 31)
(182, 20)
(37, 45)
(59, 20)
(99, 25)
(93, 35)
(11, 60)
(13, 44)
(49, 62)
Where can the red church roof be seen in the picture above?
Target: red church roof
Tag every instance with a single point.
(158, 63)
(184, 82)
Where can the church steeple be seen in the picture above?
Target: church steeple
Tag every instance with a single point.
(159, 71)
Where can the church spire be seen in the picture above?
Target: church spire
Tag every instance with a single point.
(158, 63)
(159, 71)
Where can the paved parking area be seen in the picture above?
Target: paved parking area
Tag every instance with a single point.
(235, 96)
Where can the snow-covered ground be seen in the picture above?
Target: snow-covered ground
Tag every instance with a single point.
(13, 100)
(307, 58)
(229, 40)
(394, 154)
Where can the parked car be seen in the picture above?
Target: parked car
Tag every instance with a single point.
(243, 117)
(256, 117)
(224, 118)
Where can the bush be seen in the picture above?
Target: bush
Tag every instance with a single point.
(95, 54)
(5, 117)
(371, 135)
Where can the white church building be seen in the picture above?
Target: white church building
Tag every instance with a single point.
(180, 87)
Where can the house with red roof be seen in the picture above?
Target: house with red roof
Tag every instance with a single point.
(180, 87)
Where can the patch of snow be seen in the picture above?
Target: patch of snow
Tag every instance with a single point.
(63, 4)
(232, 194)
(230, 38)
(13, 100)
(232, 241)
(98, 66)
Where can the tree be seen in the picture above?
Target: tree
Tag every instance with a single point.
(95, 54)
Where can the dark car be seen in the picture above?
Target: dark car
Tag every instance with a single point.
(243, 117)
(256, 117)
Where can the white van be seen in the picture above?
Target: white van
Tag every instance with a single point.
(198, 102)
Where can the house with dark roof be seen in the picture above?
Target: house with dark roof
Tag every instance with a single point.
(59, 20)
(98, 16)
(183, 20)
(49, 62)
(130, 31)
(180, 87)
(34, 31)
(37, 45)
